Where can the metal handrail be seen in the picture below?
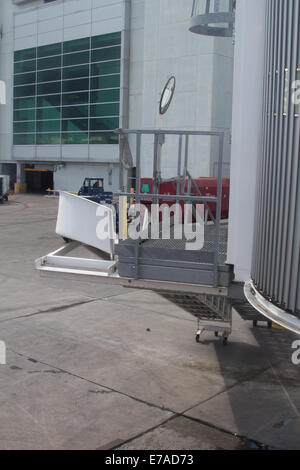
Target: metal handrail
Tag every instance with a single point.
(178, 197)
(168, 197)
(211, 6)
(213, 18)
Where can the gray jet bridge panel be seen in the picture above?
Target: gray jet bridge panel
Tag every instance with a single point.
(167, 260)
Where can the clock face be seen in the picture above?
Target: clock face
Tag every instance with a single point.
(167, 95)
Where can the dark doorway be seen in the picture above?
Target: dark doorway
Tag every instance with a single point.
(39, 181)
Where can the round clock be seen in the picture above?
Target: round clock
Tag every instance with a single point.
(167, 95)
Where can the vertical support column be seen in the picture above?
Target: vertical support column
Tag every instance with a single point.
(20, 186)
(159, 140)
(138, 197)
(207, 8)
(186, 162)
(246, 132)
(123, 227)
(155, 164)
(218, 210)
(179, 165)
(121, 175)
(124, 90)
(20, 173)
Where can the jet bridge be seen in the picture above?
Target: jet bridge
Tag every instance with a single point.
(198, 280)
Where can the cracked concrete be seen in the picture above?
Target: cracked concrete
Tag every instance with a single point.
(103, 367)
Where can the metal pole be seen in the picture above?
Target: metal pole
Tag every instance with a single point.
(207, 9)
(186, 161)
(155, 164)
(218, 210)
(137, 198)
(194, 7)
(179, 164)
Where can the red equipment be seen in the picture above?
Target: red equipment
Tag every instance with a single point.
(206, 186)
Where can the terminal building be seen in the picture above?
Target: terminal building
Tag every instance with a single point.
(76, 70)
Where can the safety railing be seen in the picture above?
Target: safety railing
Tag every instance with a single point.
(183, 137)
(213, 17)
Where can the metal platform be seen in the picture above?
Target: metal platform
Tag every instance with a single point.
(168, 260)
(213, 313)
(160, 259)
(58, 265)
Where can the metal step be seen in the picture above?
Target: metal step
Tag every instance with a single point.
(59, 262)
(220, 305)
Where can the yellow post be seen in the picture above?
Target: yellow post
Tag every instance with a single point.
(20, 188)
(132, 199)
(123, 217)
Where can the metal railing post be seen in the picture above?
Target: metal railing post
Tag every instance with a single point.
(218, 210)
(138, 199)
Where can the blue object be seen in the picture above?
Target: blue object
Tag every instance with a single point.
(93, 189)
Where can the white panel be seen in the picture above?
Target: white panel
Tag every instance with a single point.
(137, 15)
(75, 152)
(24, 152)
(25, 43)
(25, 18)
(112, 11)
(76, 19)
(108, 26)
(77, 33)
(73, 208)
(137, 46)
(103, 3)
(27, 30)
(53, 10)
(246, 128)
(50, 25)
(50, 37)
(48, 152)
(104, 153)
(77, 5)
(70, 178)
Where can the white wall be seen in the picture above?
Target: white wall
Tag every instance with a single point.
(161, 46)
(71, 177)
(65, 20)
(246, 131)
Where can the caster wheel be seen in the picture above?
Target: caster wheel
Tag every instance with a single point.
(225, 341)
(216, 334)
(270, 324)
(255, 323)
(197, 338)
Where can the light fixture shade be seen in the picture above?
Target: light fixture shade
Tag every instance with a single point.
(213, 17)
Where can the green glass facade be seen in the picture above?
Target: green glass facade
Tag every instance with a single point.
(68, 93)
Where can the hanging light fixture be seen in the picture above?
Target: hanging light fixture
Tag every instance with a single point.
(213, 17)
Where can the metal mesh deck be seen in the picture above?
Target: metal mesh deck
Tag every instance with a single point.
(209, 243)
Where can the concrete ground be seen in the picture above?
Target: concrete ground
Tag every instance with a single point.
(103, 367)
